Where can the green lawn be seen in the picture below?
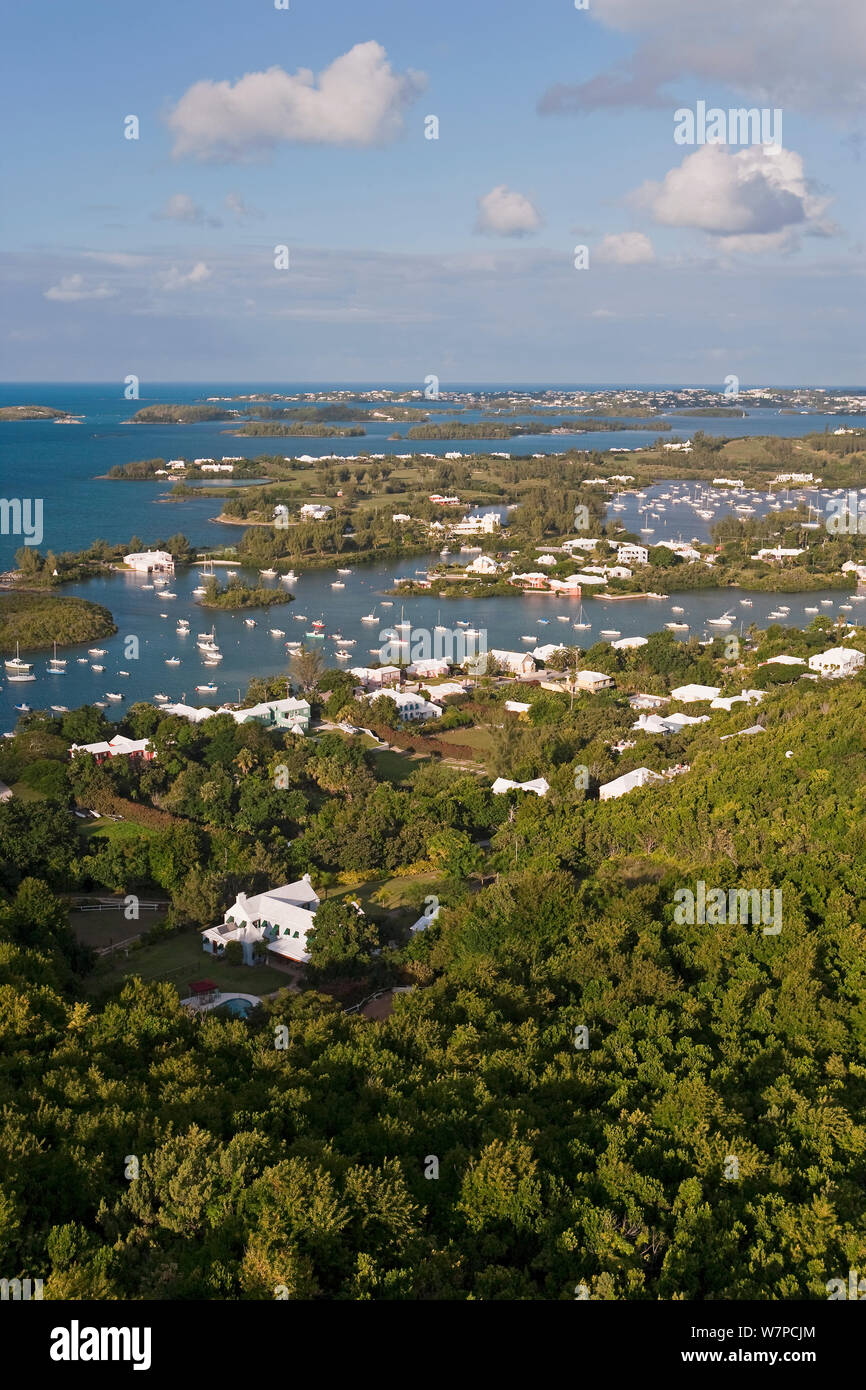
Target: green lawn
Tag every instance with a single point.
(114, 829)
(394, 767)
(103, 928)
(478, 740)
(25, 793)
(180, 959)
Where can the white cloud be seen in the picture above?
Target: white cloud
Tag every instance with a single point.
(753, 199)
(625, 248)
(502, 212)
(358, 100)
(778, 52)
(180, 207)
(175, 279)
(73, 288)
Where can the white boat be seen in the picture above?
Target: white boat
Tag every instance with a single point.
(338, 584)
(371, 618)
(99, 704)
(277, 632)
(266, 574)
(386, 603)
(172, 661)
(19, 676)
(209, 689)
(199, 589)
(16, 664)
(563, 618)
(827, 602)
(166, 594)
(726, 620)
(160, 696)
(609, 632)
(810, 610)
(23, 708)
(211, 658)
(97, 668)
(250, 622)
(82, 660)
(845, 607)
(123, 673)
(96, 651)
(529, 639)
(775, 614)
(182, 629)
(677, 627)
(56, 662)
(745, 603)
(342, 656)
(147, 587)
(113, 695)
(339, 571)
(289, 577)
(675, 609)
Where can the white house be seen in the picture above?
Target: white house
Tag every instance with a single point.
(377, 677)
(482, 564)
(119, 746)
(428, 669)
(517, 706)
(690, 694)
(630, 554)
(778, 552)
(150, 561)
(838, 661)
(412, 707)
(784, 660)
(670, 724)
(593, 680)
(545, 652)
(628, 643)
(401, 517)
(478, 525)
(313, 511)
(281, 917)
(519, 663)
(642, 701)
(746, 697)
(629, 782)
(546, 560)
(570, 585)
(289, 714)
(581, 543)
(538, 785)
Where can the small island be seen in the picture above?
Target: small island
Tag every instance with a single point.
(235, 594)
(34, 412)
(39, 620)
(180, 414)
(304, 430)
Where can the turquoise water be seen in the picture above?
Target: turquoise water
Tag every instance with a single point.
(240, 1008)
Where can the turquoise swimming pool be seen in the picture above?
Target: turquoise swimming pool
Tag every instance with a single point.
(240, 1008)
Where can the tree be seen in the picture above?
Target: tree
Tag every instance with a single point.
(341, 938)
(307, 666)
(234, 953)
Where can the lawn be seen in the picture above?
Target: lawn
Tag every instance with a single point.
(113, 830)
(180, 959)
(104, 928)
(477, 739)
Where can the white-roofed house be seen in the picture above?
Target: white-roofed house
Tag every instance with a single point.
(281, 918)
(150, 561)
(482, 564)
(628, 643)
(538, 785)
(520, 663)
(593, 680)
(629, 782)
(838, 661)
(691, 694)
(119, 746)
(409, 706)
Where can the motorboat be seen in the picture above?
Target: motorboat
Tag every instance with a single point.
(371, 618)
(529, 639)
(23, 709)
(339, 571)
(249, 622)
(677, 627)
(97, 668)
(113, 695)
(209, 689)
(19, 676)
(266, 574)
(277, 632)
(338, 584)
(609, 632)
(172, 661)
(726, 620)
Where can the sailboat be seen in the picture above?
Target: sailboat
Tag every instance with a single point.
(57, 663)
(581, 625)
(16, 664)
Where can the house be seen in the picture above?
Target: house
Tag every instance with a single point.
(618, 572)
(746, 697)
(547, 560)
(289, 714)
(587, 578)
(681, 548)
(447, 688)
(119, 746)
(401, 517)
(410, 707)
(690, 694)
(519, 663)
(425, 920)
(581, 543)
(778, 552)
(281, 918)
(570, 585)
(478, 525)
(593, 681)
(532, 580)
(632, 554)
(641, 701)
(784, 660)
(538, 785)
(545, 652)
(377, 677)
(626, 644)
(517, 706)
(670, 724)
(752, 729)
(482, 564)
(431, 668)
(313, 511)
(629, 782)
(150, 562)
(838, 661)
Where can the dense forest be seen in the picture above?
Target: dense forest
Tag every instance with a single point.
(468, 1146)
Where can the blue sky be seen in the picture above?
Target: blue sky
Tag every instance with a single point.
(408, 255)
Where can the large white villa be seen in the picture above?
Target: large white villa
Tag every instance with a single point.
(281, 918)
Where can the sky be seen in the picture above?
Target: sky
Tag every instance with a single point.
(556, 229)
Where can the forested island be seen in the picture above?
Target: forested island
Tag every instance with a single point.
(235, 594)
(301, 430)
(33, 412)
(180, 414)
(37, 620)
(501, 429)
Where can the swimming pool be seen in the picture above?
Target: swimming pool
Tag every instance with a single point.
(239, 1008)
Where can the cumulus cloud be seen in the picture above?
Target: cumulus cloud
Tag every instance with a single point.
(780, 51)
(358, 100)
(761, 198)
(73, 288)
(175, 279)
(625, 248)
(502, 212)
(236, 204)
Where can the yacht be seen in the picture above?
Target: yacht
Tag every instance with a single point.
(745, 603)
(610, 632)
(160, 696)
(267, 574)
(677, 627)
(529, 639)
(97, 668)
(277, 632)
(166, 594)
(675, 609)
(339, 571)
(96, 651)
(113, 695)
(23, 708)
(16, 664)
(338, 584)
(387, 603)
(19, 675)
(250, 622)
(289, 577)
(810, 610)
(209, 689)
(563, 618)
(172, 661)
(123, 673)
(726, 620)
(826, 602)
(82, 660)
